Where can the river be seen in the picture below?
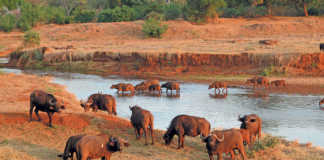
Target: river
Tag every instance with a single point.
(289, 116)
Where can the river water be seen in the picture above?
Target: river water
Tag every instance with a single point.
(290, 116)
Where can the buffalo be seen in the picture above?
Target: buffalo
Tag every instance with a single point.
(142, 119)
(100, 101)
(144, 86)
(70, 147)
(278, 83)
(230, 140)
(45, 102)
(123, 87)
(183, 125)
(258, 81)
(219, 86)
(155, 88)
(171, 86)
(321, 102)
(253, 124)
(99, 146)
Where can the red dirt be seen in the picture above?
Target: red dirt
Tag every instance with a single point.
(69, 120)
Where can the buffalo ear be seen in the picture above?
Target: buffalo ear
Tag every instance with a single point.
(63, 107)
(253, 120)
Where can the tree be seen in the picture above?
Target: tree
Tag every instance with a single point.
(68, 5)
(199, 10)
(305, 3)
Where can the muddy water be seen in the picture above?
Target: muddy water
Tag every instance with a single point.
(289, 116)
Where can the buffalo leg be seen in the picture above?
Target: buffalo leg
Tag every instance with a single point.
(220, 156)
(36, 112)
(50, 114)
(145, 132)
(180, 143)
(31, 111)
(241, 150)
(152, 134)
(210, 156)
(136, 134)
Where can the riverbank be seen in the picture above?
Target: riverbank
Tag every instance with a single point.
(232, 50)
(20, 139)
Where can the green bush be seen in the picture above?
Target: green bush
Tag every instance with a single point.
(31, 39)
(153, 28)
(84, 16)
(173, 11)
(30, 16)
(54, 15)
(7, 23)
(117, 14)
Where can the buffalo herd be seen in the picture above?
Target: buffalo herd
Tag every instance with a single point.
(218, 142)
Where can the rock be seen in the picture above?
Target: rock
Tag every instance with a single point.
(268, 42)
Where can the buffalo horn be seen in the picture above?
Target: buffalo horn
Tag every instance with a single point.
(219, 139)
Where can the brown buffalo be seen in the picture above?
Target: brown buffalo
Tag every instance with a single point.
(183, 125)
(246, 136)
(44, 102)
(123, 87)
(278, 83)
(141, 88)
(171, 86)
(70, 147)
(142, 119)
(321, 102)
(100, 101)
(219, 86)
(258, 81)
(253, 124)
(100, 146)
(155, 88)
(230, 140)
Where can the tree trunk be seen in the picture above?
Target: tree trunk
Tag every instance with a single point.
(305, 9)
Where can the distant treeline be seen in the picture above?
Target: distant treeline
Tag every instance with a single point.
(24, 14)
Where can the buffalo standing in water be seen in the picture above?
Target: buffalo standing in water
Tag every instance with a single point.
(171, 86)
(97, 101)
(43, 102)
(123, 87)
(183, 125)
(142, 119)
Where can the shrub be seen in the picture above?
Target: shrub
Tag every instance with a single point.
(7, 23)
(173, 11)
(117, 14)
(155, 15)
(267, 71)
(23, 24)
(153, 28)
(31, 39)
(54, 15)
(84, 16)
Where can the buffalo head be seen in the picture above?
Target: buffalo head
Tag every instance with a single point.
(115, 86)
(116, 144)
(86, 105)
(167, 139)
(321, 102)
(212, 138)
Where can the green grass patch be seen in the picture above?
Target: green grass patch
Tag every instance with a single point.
(263, 144)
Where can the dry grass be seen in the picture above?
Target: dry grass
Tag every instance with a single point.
(230, 36)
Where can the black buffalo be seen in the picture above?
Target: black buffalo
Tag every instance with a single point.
(70, 147)
(44, 102)
(183, 125)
